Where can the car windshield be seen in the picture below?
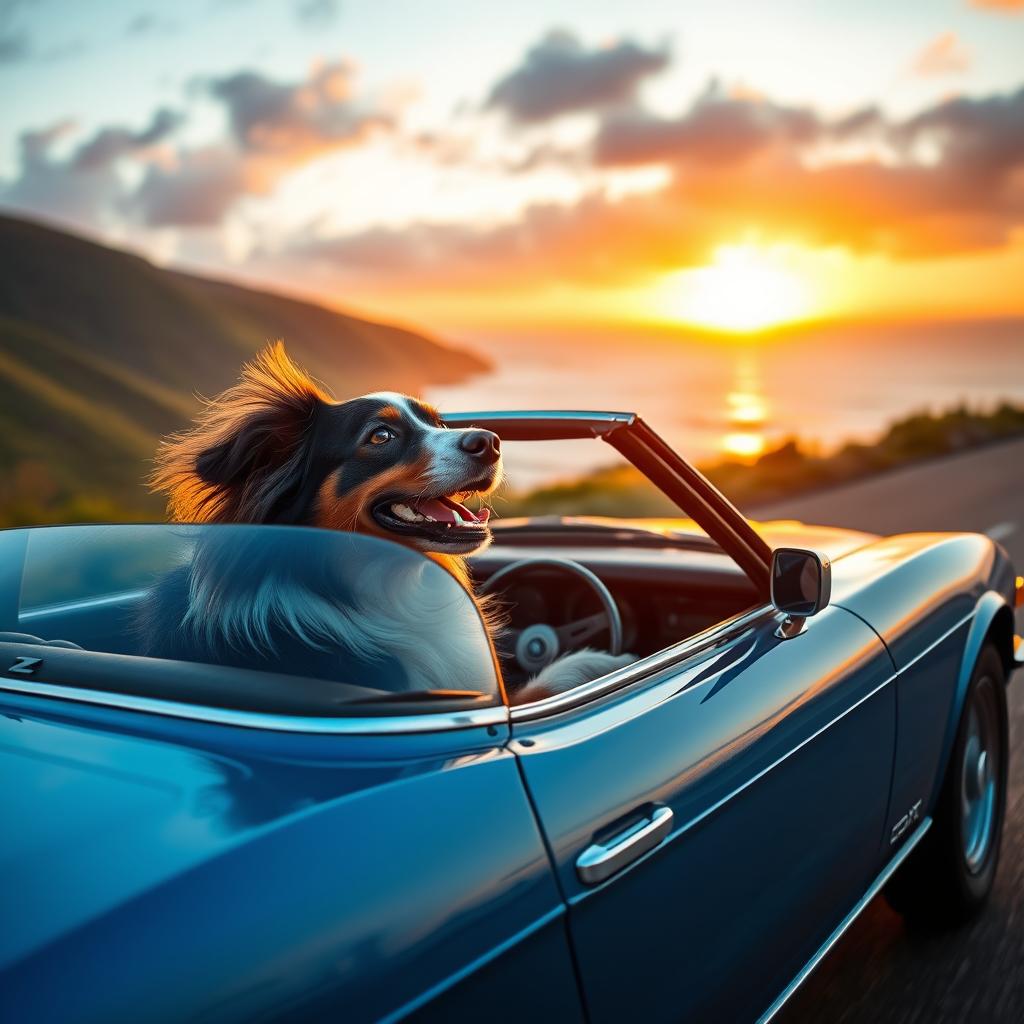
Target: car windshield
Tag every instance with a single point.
(258, 618)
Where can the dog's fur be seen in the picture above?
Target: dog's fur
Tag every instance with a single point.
(276, 448)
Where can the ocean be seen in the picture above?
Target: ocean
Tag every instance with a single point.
(713, 398)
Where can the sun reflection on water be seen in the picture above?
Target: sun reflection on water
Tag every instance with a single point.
(746, 413)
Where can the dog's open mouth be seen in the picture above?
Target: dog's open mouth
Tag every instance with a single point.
(443, 521)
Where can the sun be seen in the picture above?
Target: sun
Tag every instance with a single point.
(746, 288)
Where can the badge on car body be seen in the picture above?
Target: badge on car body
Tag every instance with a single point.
(907, 822)
(25, 666)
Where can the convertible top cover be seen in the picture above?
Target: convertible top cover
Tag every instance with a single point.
(276, 619)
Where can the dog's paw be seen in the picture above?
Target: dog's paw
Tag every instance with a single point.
(570, 671)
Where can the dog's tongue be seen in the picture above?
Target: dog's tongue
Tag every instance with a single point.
(444, 511)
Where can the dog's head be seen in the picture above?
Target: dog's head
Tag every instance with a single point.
(275, 448)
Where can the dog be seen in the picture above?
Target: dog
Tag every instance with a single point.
(277, 448)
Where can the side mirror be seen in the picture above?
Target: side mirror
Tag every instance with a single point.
(801, 585)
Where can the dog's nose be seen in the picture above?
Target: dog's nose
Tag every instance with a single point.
(481, 444)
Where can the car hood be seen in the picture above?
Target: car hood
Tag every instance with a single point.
(834, 541)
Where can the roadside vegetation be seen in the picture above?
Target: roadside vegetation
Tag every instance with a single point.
(790, 469)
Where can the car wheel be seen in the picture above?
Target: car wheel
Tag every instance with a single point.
(948, 878)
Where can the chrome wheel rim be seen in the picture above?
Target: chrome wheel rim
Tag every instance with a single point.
(978, 779)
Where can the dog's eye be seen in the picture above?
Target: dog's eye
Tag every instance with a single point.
(381, 436)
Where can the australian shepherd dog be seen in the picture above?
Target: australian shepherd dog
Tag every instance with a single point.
(277, 448)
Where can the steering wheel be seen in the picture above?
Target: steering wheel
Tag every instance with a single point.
(539, 644)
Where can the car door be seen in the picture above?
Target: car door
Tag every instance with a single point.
(758, 768)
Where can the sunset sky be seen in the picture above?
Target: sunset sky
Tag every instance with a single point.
(463, 165)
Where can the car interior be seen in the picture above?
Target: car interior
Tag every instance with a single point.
(665, 588)
(557, 583)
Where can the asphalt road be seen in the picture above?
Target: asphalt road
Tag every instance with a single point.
(880, 971)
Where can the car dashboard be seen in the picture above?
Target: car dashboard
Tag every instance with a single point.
(665, 593)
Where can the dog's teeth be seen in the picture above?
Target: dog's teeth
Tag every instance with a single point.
(406, 513)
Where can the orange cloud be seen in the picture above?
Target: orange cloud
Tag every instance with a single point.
(295, 120)
(1010, 6)
(274, 127)
(944, 55)
(953, 183)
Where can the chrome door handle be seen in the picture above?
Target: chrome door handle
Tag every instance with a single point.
(602, 860)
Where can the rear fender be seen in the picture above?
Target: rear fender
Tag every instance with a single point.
(993, 620)
(933, 599)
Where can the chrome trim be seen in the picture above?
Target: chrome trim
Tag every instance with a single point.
(791, 626)
(387, 724)
(602, 860)
(542, 424)
(653, 663)
(572, 415)
(73, 606)
(873, 891)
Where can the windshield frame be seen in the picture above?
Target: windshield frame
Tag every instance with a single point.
(648, 452)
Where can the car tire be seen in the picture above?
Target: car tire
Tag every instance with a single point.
(947, 879)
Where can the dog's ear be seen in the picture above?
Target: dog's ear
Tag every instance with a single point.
(245, 457)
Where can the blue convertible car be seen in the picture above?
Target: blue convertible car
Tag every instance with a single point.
(383, 831)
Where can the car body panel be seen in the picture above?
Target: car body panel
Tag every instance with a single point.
(171, 868)
(932, 598)
(775, 757)
(290, 874)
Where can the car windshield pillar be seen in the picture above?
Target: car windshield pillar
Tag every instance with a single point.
(682, 483)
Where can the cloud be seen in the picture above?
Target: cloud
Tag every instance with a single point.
(14, 47)
(53, 187)
(113, 143)
(198, 189)
(717, 129)
(596, 239)
(149, 23)
(295, 118)
(952, 182)
(317, 14)
(979, 141)
(84, 187)
(559, 76)
(15, 44)
(944, 55)
(1008, 6)
(272, 129)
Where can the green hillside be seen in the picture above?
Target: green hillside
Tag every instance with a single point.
(101, 352)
